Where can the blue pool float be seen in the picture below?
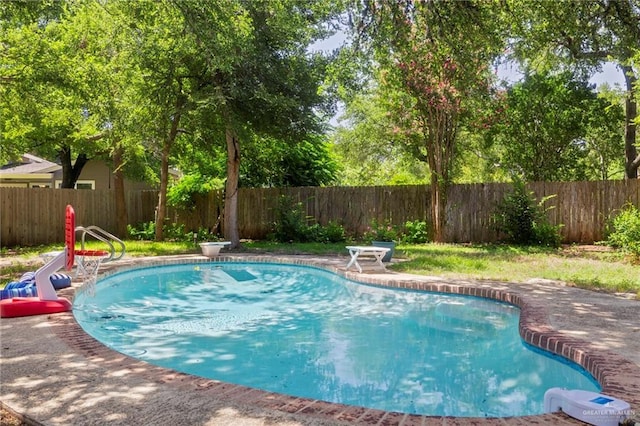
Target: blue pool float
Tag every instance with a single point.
(19, 289)
(26, 286)
(59, 281)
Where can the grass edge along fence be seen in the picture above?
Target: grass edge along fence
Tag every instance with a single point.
(31, 216)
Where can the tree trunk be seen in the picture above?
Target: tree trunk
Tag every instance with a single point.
(632, 158)
(230, 228)
(162, 195)
(164, 167)
(121, 205)
(438, 202)
(439, 143)
(71, 173)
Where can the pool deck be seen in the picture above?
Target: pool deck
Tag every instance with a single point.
(52, 373)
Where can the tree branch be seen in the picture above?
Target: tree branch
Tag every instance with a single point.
(574, 48)
(96, 137)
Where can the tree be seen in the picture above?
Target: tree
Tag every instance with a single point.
(122, 79)
(437, 55)
(161, 49)
(543, 134)
(268, 84)
(583, 34)
(115, 81)
(370, 143)
(276, 163)
(604, 138)
(48, 83)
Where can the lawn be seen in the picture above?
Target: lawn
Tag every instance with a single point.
(594, 268)
(591, 267)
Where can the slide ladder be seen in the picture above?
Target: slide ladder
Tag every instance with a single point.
(106, 237)
(89, 261)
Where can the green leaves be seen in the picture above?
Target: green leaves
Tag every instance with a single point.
(435, 56)
(582, 35)
(543, 135)
(522, 220)
(624, 230)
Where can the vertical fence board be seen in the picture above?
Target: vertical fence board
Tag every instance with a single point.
(30, 216)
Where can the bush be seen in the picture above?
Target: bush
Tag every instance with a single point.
(144, 231)
(380, 232)
(292, 226)
(624, 230)
(176, 232)
(415, 232)
(171, 231)
(204, 234)
(335, 232)
(522, 220)
(546, 234)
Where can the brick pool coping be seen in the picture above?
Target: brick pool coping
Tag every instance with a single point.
(618, 376)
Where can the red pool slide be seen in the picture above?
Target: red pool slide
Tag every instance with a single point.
(47, 301)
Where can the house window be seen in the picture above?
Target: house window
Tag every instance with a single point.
(81, 184)
(86, 184)
(39, 185)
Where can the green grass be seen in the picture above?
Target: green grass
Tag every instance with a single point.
(19, 260)
(295, 248)
(596, 268)
(152, 248)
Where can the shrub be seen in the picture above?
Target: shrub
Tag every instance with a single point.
(546, 234)
(176, 232)
(380, 232)
(415, 232)
(624, 230)
(292, 226)
(172, 232)
(335, 232)
(290, 223)
(522, 220)
(204, 234)
(144, 231)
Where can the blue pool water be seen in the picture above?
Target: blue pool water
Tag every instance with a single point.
(307, 332)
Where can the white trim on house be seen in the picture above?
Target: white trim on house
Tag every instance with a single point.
(80, 184)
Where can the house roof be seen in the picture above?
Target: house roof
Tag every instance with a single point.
(30, 164)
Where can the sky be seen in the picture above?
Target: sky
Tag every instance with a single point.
(610, 75)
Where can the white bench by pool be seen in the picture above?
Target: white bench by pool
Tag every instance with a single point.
(357, 251)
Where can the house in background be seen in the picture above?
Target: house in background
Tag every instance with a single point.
(36, 172)
(30, 172)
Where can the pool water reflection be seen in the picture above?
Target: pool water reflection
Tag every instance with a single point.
(307, 332)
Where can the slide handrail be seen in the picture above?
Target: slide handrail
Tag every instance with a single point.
(104, 236)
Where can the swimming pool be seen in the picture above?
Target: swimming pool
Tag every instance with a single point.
(307, 332)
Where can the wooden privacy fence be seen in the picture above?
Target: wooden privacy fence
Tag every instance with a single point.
(36, 216)
(30, 216)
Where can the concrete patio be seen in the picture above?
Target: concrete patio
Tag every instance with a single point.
(52, 373)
